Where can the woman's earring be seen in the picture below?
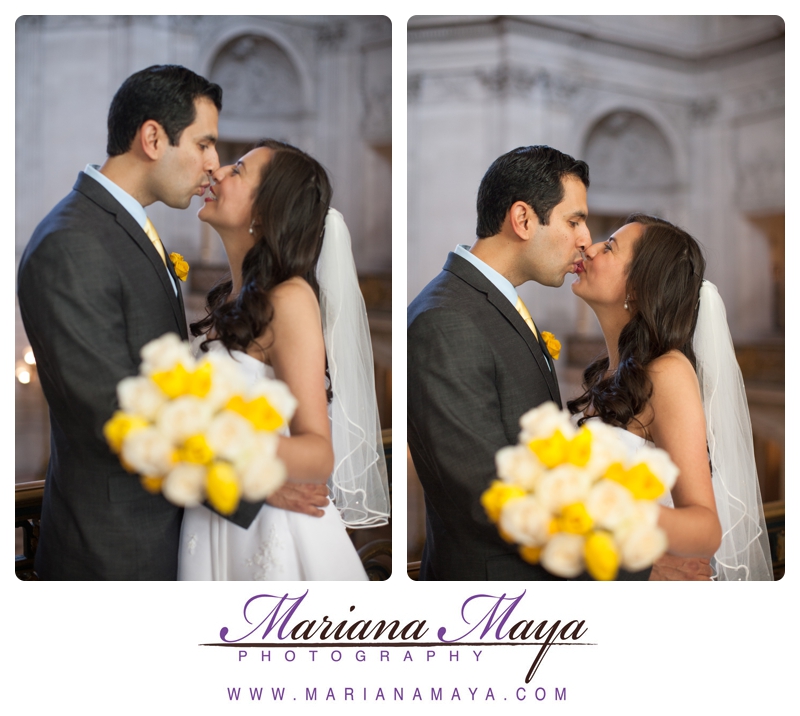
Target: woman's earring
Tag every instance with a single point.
(624, 305)
(251, 226)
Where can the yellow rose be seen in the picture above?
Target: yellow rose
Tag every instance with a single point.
(180, 264)
(602, 559)
(575, 519)
(222, 487)
(497, 495)
(552, 343)
(118, 426)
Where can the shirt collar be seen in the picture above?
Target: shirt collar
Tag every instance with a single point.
(133, 207)
(500, 282)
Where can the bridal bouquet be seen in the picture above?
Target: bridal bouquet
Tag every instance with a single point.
(194, 430)
(577, 499)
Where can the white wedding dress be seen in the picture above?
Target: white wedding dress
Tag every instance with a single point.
(279, 545)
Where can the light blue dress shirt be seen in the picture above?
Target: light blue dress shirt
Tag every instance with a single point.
(133, 207)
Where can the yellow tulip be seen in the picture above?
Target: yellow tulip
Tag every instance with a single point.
(258, 411)
(498, 494)
(643, 483)
(602, 560)
(195, 450)
(575, 519)
(152, 483)
(119, 425)
(222, 487)
(552, 451)
(580, 448)
(530, 554)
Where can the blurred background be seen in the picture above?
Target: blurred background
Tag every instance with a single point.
(677, 116)
(322, 83)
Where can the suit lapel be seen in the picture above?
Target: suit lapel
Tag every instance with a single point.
(467, 272)
(91, 189)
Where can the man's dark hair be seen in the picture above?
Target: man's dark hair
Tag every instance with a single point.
(164, 93)
(530, 174)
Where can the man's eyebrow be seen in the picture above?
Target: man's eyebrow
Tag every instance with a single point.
(209, 138)
(578, 215)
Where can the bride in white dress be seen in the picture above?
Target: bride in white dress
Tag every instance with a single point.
(292, 310)
(670, 377)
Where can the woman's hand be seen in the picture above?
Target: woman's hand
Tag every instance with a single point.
(306, 499)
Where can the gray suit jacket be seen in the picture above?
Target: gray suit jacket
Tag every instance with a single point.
(474, 368)
(92, 291)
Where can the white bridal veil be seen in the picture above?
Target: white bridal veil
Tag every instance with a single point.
(359, 481)
(744, 552)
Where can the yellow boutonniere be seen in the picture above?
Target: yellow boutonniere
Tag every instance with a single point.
(552, 343)
(181, 265)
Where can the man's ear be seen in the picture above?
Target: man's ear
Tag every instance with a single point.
(523, 219)
(151, 139)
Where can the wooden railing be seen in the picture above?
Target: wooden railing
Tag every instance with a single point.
(376, 554)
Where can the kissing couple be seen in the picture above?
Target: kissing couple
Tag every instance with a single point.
(96, 284)
(477, 362)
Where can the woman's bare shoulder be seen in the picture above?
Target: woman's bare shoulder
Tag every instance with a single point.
(293, 298)
(675, 385)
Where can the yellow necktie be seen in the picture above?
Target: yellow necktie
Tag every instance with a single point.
(152, 234)
(526, 316)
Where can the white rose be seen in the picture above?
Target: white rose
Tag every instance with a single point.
(277, 394)
(607, 448)
(264, 473)
(185, 485)
(183, 417)
(543, 421)
(562, 486)
(231, 436)
(609, 503)
(659, 463)
(140, 396)
(518, 465)
(563, 555)
(228, 378)
(148, 451)
(642, 546)
(165, 353)
(526, 521)
(644, 513)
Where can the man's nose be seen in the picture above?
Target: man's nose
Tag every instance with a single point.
(584, 238)
(211, 164)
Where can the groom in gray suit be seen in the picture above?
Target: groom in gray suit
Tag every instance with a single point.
(477, 361)
(95, 285)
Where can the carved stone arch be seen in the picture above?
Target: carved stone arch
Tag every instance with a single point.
(650, 113)
(262, 75)
(627, 152)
